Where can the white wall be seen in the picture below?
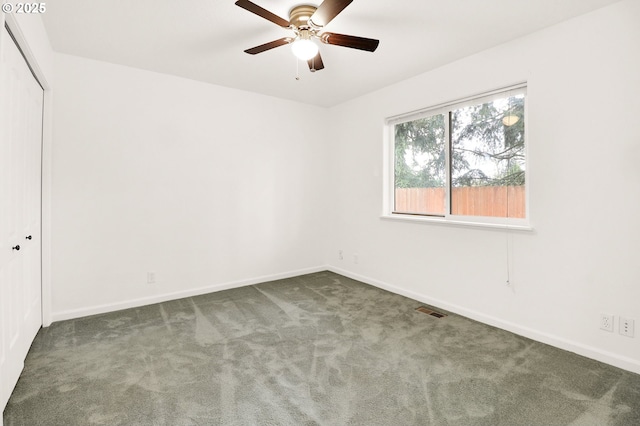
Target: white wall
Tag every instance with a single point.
(206, 186)
(582, 259)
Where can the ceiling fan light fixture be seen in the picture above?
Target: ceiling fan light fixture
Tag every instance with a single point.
(303, 47)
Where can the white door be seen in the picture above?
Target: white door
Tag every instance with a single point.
(21, 103)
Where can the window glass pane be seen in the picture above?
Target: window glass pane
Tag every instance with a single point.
(487, 159)
(420, 166)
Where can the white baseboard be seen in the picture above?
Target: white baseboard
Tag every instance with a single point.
(559, 342)
(134, 303)
(611, 358)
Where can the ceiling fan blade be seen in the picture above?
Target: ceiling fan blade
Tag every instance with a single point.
(328, 10)
(315, 63)
(264, 13)
(361, 43)
(268, 46)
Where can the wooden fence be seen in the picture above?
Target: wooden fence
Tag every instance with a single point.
(494, 201)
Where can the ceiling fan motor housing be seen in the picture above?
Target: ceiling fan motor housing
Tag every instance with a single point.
(299, 15)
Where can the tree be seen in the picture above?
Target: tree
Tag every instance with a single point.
(481, 136)
(485, 151)
(420, 153)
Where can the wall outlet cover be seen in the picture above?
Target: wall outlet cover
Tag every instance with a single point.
(606, 322)
(626, 326)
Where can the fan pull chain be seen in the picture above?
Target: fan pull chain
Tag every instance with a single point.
(297, 69)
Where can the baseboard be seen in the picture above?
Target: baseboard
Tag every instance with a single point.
(134, 303)
(565, 344)
(549, 339)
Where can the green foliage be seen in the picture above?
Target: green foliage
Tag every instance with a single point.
(419, 157)
(420, 153)
(479, 137)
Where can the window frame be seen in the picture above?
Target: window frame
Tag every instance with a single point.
(448, 218)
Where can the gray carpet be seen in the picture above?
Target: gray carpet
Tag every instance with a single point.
(317, 349)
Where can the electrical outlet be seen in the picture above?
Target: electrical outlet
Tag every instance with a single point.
(355, 258)
(151, 277)
(606, 322)
(340, 255)
(626, 326)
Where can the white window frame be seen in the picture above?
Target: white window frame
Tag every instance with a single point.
(448, 218)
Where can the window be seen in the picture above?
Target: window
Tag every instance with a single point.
(462, 162)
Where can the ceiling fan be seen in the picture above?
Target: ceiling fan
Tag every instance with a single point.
(307, 22)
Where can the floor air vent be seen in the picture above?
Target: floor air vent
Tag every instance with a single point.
(430, 312)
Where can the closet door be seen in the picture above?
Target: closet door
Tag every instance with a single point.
(21, 101)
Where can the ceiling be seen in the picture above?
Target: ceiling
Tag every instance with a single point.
(205, 39)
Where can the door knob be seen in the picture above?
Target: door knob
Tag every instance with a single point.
(28, 237)
(15, 248)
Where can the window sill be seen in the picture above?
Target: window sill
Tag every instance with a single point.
(434, 220)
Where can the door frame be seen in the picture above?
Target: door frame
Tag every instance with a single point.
(14, 26)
